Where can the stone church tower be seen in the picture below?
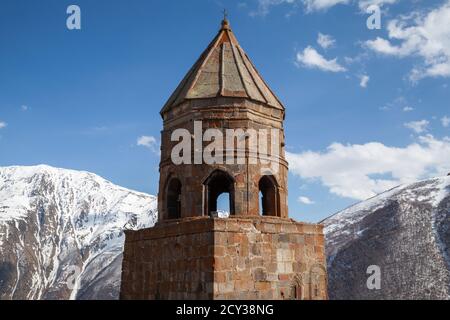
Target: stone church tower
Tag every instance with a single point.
(255, 253)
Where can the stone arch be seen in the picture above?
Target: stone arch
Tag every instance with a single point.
(218, 182)
(297, 289)
(318, 282)
(270, 196)
(173, 198)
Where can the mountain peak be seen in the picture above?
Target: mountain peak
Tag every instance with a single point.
(53, 220)
(404, 231)
(43, 169)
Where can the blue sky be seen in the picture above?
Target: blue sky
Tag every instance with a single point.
(375, 117)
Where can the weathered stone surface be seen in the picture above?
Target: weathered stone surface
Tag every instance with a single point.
(200, 261)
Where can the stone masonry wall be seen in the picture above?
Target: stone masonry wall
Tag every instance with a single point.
(169, 261)
(268, 258)
(234, 258)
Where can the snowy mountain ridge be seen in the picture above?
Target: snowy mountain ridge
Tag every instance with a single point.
(54, 222)
(405, 231)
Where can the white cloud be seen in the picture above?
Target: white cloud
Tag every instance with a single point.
(305, 200)
(364, 4)
(383, 46)
(3, 124)
(408, 109)
(349, 60)
(265, 5)
(425, 35)
(418, 126)
(310, 58)
(311, 6)
(325, 41)
(362, 171)
(322, 5)
(146, 141)
(149, 142)
(364, 81)
(399, 103)
(445, 121)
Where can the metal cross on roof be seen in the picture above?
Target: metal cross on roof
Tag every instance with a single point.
(225, 14)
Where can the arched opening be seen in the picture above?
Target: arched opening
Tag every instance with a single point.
(219, 183)
(318, 282)
(174, 199)
(268, 196)
(297, 288)
(223, 204)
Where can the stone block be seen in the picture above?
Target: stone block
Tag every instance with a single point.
(263, 285)
(259, 274)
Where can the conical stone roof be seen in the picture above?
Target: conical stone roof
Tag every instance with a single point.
(223, 70)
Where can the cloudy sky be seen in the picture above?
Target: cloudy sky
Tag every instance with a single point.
(367, 109)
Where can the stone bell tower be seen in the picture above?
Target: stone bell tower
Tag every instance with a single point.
(223, 134)
(223, 91)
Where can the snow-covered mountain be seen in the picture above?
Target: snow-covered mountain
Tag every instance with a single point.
(61, 232)
(405, 231)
